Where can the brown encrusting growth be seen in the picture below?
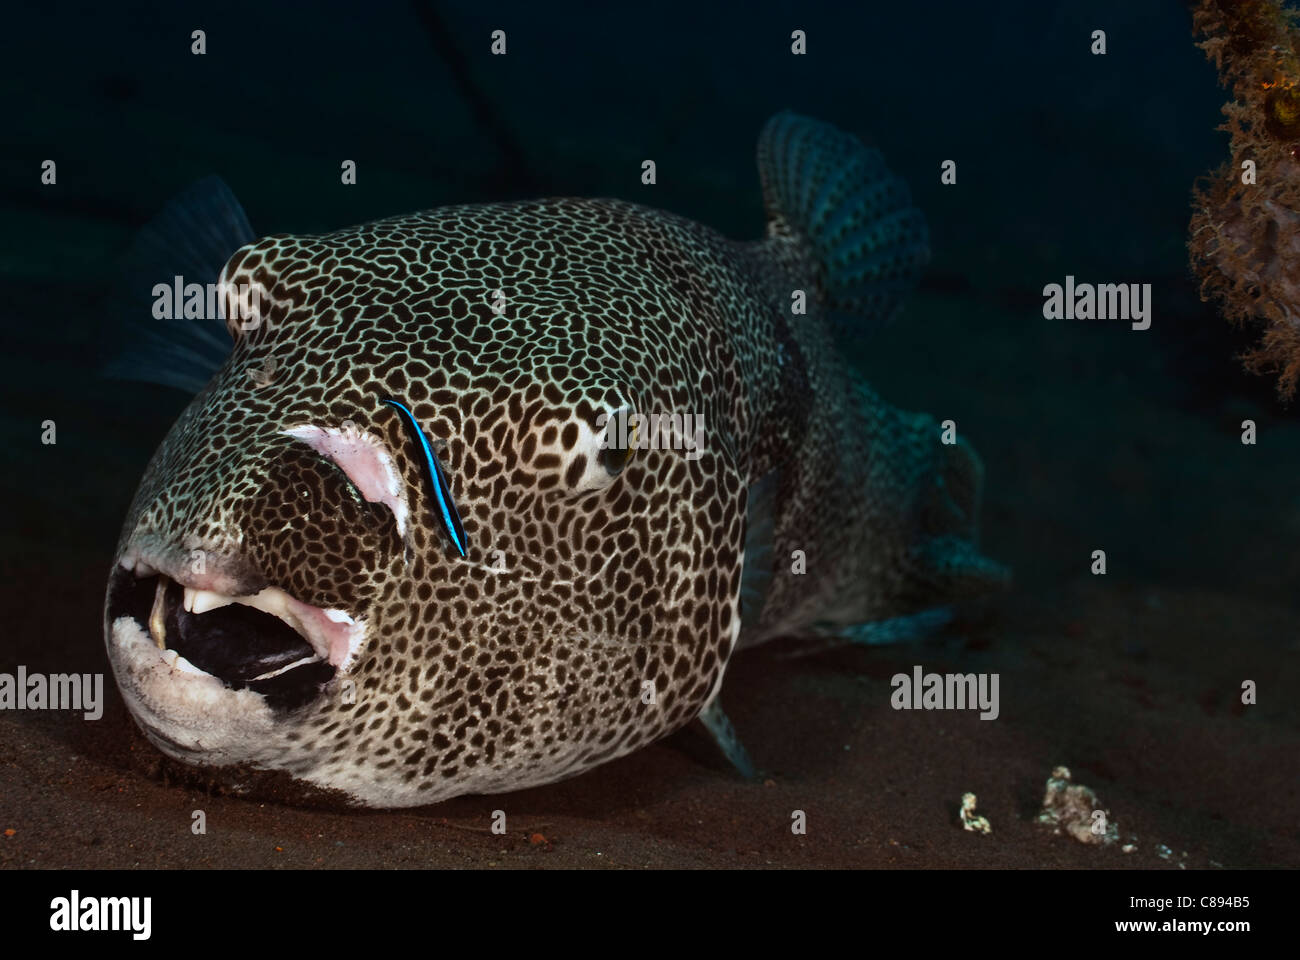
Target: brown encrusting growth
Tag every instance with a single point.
(1245, 236)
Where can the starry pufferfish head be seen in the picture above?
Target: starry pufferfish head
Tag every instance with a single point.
(288, 594)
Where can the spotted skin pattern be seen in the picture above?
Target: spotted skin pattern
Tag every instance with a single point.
(529, 660)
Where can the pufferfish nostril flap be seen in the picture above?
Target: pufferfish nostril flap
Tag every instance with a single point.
(308, 505)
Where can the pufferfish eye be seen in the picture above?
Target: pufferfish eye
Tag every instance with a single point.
(619, 441)
(585, 455)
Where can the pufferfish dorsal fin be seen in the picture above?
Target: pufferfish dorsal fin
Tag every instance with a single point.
(192, 238)
(837, 197)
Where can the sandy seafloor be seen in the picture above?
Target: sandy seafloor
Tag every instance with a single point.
(1130, 680)
(1093, 436)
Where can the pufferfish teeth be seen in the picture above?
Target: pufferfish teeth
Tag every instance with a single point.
(201, 601)
(157, 616)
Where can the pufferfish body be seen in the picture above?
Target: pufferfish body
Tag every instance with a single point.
(485, 496)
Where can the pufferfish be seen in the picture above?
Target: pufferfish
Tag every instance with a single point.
(431, 527)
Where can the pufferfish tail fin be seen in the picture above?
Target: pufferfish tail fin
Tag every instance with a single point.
(824, 187)
(933, 485)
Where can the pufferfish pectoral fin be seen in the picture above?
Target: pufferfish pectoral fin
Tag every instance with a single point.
(724, 735)
(184, 247)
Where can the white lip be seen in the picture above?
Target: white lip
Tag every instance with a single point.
(184, 711)
(333, 634)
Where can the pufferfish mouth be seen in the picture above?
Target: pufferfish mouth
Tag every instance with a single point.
(268, 642)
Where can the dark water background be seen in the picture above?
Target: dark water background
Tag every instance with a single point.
(1093, 436)
(1068, 163)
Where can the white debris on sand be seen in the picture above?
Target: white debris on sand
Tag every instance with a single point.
(1074, 809)
(970, 820)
